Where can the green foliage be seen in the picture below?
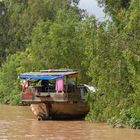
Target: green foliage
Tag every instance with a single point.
(24, 15)
(49, 32)
(45, 34)
(115, 8)
(8, 82)
(9, 72)
(60, 38)
(4, 26)
(115, 70)
(131, 117)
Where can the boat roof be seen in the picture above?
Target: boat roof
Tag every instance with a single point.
(49, 74)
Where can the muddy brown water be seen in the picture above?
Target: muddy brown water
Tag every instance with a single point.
(18, 122)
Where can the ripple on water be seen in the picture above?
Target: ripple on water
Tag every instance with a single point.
(21, 124)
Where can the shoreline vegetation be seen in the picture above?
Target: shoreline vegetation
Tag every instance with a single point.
(46, 34)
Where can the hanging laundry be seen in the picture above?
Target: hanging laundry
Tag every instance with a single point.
(59, 84)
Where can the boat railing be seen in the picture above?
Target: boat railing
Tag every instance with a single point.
(71, 93)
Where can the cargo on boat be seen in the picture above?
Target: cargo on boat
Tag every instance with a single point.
(54, 93)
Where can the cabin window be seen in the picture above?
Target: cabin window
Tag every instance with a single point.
(48, 86)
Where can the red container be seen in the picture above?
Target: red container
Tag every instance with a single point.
(27, 96)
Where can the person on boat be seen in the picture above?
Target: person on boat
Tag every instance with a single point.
(69, 83)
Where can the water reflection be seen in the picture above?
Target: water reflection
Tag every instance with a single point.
(19, 123)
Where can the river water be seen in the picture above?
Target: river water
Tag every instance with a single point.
(18, 123)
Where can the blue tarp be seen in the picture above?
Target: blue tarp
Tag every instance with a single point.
(42, 77)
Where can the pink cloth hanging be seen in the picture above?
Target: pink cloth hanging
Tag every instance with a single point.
(59, 84)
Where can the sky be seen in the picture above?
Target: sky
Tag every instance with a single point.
(92, 8)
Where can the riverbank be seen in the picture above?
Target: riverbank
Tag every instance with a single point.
(113, 110)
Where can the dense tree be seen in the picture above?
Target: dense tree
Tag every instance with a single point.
(115, 70)
(4, 26)
(56, 34)
(9, 83)
(115, 8)
(61, 39)
(53, 43)
(25, 14)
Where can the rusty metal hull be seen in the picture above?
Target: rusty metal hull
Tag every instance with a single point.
(69, 108)
(59, 110)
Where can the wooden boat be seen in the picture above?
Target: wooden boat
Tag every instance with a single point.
(54, 93)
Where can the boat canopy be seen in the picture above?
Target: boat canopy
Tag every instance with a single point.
(49, 74)
(45, 77)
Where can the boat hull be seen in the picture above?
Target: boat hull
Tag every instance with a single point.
(59, 110)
